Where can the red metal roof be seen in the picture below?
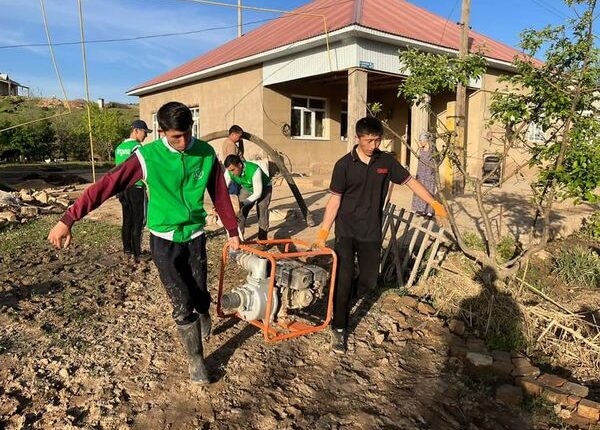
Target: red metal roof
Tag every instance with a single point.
(396, 17)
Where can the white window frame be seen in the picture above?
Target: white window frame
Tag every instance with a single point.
(342, 112)
(312, 111)
(155, 135)
(196, 124)
(535, 133)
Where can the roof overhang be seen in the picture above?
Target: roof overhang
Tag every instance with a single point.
(354, 30)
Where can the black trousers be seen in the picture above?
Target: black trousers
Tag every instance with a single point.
(133, 202)
(182, 268)
(368, 265)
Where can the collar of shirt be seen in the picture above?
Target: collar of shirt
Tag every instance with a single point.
(375, 156)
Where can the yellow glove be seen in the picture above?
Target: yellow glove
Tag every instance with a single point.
(439, 209)
(321, 239)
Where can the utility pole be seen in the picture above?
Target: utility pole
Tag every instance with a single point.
(239, 8)
(461, 101)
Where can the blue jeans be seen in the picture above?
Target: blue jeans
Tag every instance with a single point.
(234, 189)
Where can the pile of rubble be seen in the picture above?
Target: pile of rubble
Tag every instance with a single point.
(19, 207)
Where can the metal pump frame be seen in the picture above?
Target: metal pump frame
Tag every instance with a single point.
(295, 328)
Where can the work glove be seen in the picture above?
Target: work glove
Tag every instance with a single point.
(321, 238)
(439, 209)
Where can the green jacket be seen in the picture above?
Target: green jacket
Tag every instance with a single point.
(124, 150)
(176, 182)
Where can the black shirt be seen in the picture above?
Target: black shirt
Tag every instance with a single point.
(363, 189)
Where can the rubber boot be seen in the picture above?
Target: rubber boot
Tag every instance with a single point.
(190, 337)
(205, 325)
(262, 234)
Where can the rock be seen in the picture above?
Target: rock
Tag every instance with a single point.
(8, 216)
(579, 421)
(64, 373)
(555, 396)
(575, 389)
(478, 364)
(550, 380)
(41, 197)
(529, 385)
(509, 395)
(457, 326)
(407, 301)
(502, 368)
(476, 345)
(63, 202)
(425, 308)
(530, 371)
(501, 355)
(29, 211)
(379, 337)
(26, 196)
(589, 409)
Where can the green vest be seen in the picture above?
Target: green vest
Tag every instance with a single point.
(245, 180)
(124, 150)
(176, 182)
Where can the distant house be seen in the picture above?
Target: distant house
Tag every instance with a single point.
(8, 87)
(302, 89)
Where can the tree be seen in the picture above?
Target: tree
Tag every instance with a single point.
(561, 95)
(33, 140)
(109, 126)
(70, 140)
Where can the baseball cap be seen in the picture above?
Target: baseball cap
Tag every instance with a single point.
(138, 123)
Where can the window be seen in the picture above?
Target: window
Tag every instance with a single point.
(155, 134)
(196, 124)
(344, 120)
(535, 133)
(308, 117)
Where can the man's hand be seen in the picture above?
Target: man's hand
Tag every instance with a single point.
(320, 240)
(245, 203)
(439, 209)
(234, 242)
(59, 232)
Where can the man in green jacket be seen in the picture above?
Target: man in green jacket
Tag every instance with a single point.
(255, 188)
(177, 170)
(132, 199)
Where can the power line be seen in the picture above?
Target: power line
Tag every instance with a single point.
(551, 9)
(127, 39)
(448, 20)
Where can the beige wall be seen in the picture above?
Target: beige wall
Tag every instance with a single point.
(240, 98)
(229, 99)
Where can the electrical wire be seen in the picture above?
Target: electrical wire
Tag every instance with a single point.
(448, 20)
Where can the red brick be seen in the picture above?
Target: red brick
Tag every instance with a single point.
(550, 380)
(530, 371)
(555, 396)
(575, 389)
(589, 409)
(529, 385)
(578, 421)
(573, 400)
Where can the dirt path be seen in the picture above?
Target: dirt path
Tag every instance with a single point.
(88, 342)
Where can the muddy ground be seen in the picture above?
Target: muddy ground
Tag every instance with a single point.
(87, 341)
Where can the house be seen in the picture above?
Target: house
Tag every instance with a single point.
(8, 87)
(302, 88)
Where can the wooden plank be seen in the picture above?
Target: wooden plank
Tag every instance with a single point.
(424, 245)
(434, 250)
(386, 252)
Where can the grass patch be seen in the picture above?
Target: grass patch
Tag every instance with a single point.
(578, 266)
(33, 235)
(591, 227)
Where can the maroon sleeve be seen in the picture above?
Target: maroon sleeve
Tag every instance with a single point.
(116, 180)
(218, 193)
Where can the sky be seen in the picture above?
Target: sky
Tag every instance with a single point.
(118, 66)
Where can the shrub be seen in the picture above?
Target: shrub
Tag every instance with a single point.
(578, 266)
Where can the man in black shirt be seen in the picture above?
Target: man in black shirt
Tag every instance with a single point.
(359, 185)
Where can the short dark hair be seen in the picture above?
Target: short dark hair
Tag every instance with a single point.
(369, 125)
(236, 129)
(232, 159)
(174, 116)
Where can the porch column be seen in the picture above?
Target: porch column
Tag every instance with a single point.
(357, 101)
(419, 122)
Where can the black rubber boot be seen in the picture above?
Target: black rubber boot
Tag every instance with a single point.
(262, 234)
(338, 341)
(205, 325)
(190, 337)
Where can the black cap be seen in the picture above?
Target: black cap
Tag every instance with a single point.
(138, 123)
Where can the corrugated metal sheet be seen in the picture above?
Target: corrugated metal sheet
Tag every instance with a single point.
(310, 63)
(396, 17)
